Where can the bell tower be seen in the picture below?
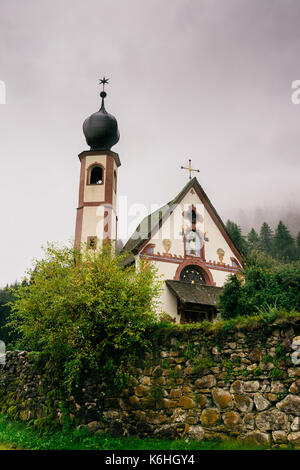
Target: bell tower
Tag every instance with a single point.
(96, 220)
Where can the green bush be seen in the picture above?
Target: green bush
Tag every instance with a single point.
(84, 309)
(6, 298)
(265, 285)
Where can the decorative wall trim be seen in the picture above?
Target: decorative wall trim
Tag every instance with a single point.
(114, 155)
(147, 248)
(188, 260)
(78, 228)
(222, 266)
(159, 257)
(81, 183)
(109, 180)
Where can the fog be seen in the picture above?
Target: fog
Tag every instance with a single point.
(207, 80)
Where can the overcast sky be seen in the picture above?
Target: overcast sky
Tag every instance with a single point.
(208, 80)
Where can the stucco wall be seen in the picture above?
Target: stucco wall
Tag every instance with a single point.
(173, 229)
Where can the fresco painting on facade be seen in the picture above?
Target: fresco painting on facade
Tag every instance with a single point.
(221, 254)
(193, 243)
(167, 246)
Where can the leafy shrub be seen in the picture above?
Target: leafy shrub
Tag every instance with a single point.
(86, 310)
(6, 297)
(265, 285)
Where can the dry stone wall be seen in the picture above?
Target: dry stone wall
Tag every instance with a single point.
(243, 384)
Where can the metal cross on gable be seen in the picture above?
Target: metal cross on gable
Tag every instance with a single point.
(190, 169)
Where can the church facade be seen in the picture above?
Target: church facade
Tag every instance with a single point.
(185, 240)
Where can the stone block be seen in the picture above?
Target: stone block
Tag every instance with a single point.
(231, 419)
(201, 400)
(279, 437)
(294, 438)
(93, 426)
(256, 438)
(134, 401)
(290, 404)
(166, 403)
(175, 393)
(221, 397)
(295, 426)
(273, 420)
(210, 417)
(237, 387)
(255, 355)
(145, 380)
(277, 387)
(196, 433)
(251, 386)
(186, 402)
(206, 381)
(260, 402)
(295, 387)
(243, 402)
(142, 390)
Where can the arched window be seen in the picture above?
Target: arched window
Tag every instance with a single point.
(96, 175)
(194, 217)
(193, 275)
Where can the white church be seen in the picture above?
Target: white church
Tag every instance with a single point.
(185, 239)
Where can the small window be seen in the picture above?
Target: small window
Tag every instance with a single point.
(96, 175)
(92, 243)
(194, 217)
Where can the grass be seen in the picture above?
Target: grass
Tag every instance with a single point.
(18, 435)
(240, 323)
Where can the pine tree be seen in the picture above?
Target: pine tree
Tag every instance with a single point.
(253, 240)
(298, 245)
(235, 233)
(6, 296)
(284, 244)
(298, 240)
(266, 239)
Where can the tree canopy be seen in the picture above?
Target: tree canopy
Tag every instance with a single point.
(279, 244)
(265, 284)
(6, 296)
(85, 309)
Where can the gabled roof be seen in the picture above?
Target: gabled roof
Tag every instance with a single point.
(152, 222)
(199, 294)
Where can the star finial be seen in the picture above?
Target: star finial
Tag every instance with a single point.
(103, 81)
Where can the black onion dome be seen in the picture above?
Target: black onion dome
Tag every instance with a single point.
(101, 129)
